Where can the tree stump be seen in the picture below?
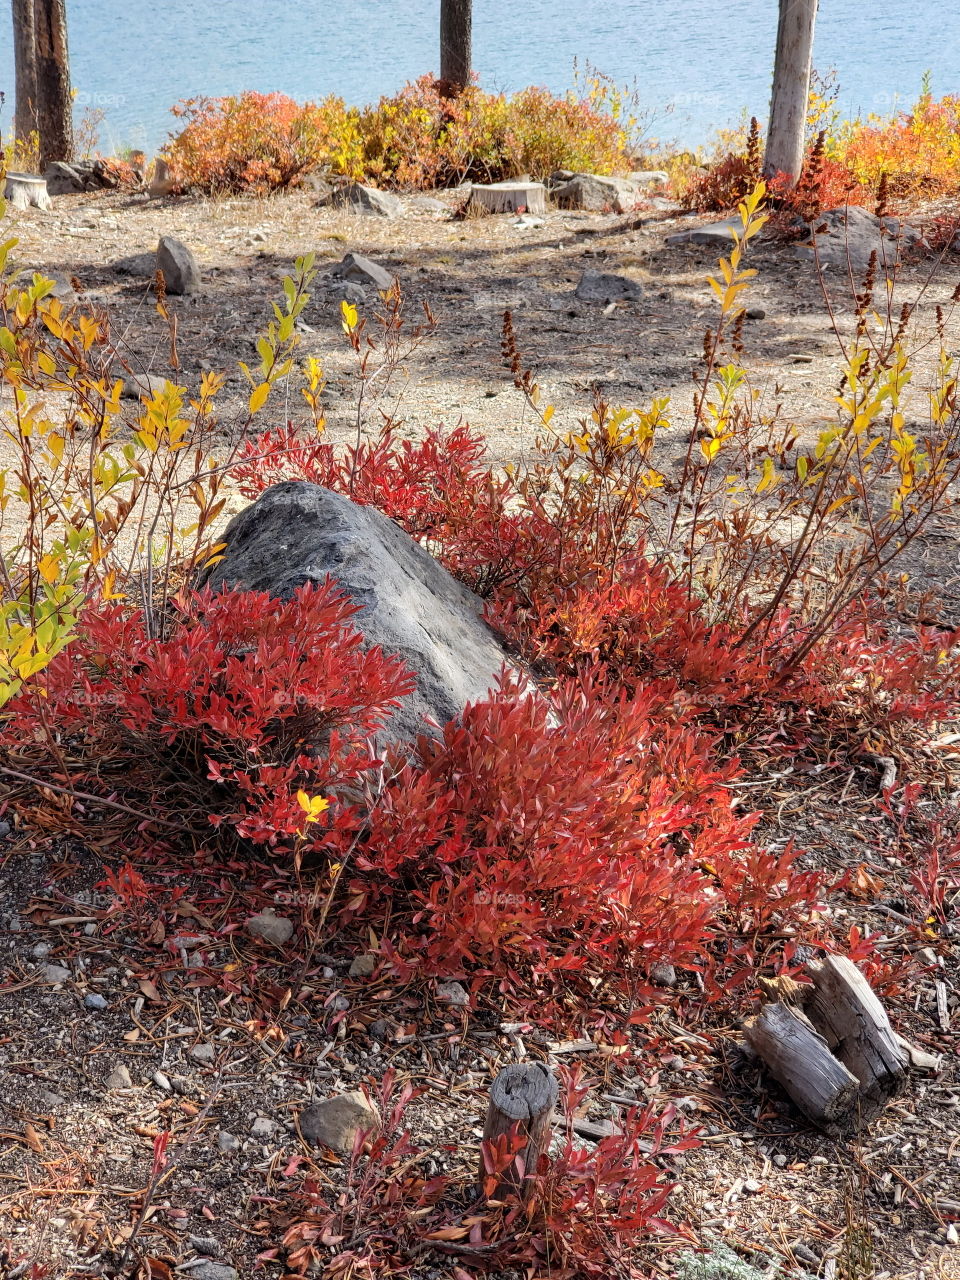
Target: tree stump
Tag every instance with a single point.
(509, 197)
(26, 189)
(523, 1095)
(799, 1058)
(858, 1031)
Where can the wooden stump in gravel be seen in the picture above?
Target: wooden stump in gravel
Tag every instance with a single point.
(799, 1059)
(509, 197)
(858, 1031)
(25, 189)
(523, 1095)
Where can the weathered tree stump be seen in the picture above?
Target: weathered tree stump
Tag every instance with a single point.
(26, 189)
(523, 1095)
(799, 1058)
(509, 197)
(858, 1031)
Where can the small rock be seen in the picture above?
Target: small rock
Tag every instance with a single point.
(89, 928)
(601, 286)
(755, 313)
(209, 1271)
(350, 291)
(364, 200)
(805, 1254)
(51, 1099)
(63, 179)
(139, 386)
(363, 966)
(271, 927)
(595, 193)
(528, 222)
(663, 975)
(380, 1029)
(362, 270)
(40, 949)
(204, 1053)
(336, 1121)
(780, 1160)
(5, 828)
(263, 1127)
(715, 234)
(226, 1142)
(93, 1000)
(180, 271)
(203, 1244)
(119, 1078)
(162, 1081)
(453, 993)
(56, 973)
(953, 1236)
(752, 1186)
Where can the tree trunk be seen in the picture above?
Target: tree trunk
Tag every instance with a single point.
(791, 88)
(54, 101)
(25, 64)
(456, 32)
(522, 1096)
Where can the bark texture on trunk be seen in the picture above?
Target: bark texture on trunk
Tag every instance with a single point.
(54, 101)
(456, 41)
(25, 70)
(791, 87)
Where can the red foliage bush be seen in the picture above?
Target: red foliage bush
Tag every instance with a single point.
(218, 723)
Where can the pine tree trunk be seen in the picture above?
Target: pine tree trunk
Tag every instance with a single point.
(456, 39)
(54, 101)
(791, 87)
(25, 64)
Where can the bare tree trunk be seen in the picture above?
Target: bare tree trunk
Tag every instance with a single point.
(54, 100)
(791, 87)
(25, 64)
(456, 41)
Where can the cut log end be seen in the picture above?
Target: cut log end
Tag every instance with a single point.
(26, 189)
(509, 197)
(799, 1059)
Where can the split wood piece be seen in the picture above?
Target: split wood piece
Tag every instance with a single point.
(509, 197)
(799, 1058)
(523, 1095)
(845, 1009)
(26, 189)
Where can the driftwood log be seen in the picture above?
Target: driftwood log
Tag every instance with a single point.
(522, 1095)
(799, 1058)
(858, 1031)
(26, 189)
(509, 197)
(839, 1059)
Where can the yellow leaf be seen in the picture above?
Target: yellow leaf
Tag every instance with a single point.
(258, 397)
(349, 316)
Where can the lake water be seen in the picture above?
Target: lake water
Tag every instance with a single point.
(698, 65)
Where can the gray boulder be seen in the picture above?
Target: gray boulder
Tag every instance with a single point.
(595, 193)
(602, 286)
(63, 179)
(410, 605)
(717, 235)
(357, 198)
(180, 271)
(850, 235)
(335, 1122)
(362, 271)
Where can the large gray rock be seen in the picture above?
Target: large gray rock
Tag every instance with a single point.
(64, 179)
(410, 605)
(602, 286)
(335, 1122)
(360, 199)
(355, 267)
(180, 271)
(595, 193)
(850, 235)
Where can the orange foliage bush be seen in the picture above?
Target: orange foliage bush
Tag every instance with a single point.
(918, 150)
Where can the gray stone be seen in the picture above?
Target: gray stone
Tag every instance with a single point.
(649, 177)
(336, 1121)
(849, 236)
(663, 975)
(205, 1053)
(601, 286)
(717, 235)
(409, 604)
(226, 1142)
(180, 271)
(363, 966)
(204, 1244)
(119, 1078)
(56, 973)
(63, 179)
(271, 927)
(93, 1000)
(205, 1270)
(349, 291)
(51, 1099)
(453, 993)
(162, 1081)
(362, 270)
(357, 198)
(263, 1127)
(595, 193)
(138, 386)
(40, 949)
(5, 828)
(380, 1029)
(427, 204)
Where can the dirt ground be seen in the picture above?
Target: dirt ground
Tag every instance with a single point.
(229, 1068)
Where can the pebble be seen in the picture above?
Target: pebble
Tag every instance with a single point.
(40, 950)
(755, 313)
(271, 927)
(204, 1053)
(94, 1001)
(953, 1236)
(227, 1142)
(119, 1078)
(209, 1271)
(752, 1186)
(780, 1160)
(5, 828)
(334, 1122)
(663, 975)
(56, 973)
(162, 1081)
(453, 993)
(363, 966)
(204, 1244)
(263, 1127)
